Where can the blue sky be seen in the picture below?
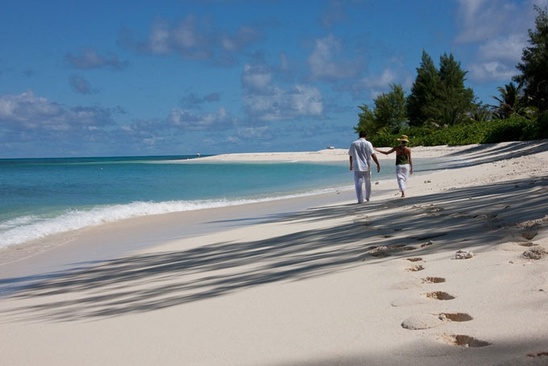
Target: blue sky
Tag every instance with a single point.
(107, 78)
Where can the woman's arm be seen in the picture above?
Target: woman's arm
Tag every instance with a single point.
(410, 161)
(385, 152)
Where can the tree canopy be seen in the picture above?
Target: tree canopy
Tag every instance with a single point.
(509, 100)
(441, 109)
(422, 95)
(389, 113)
(534, 65)
(439, 97)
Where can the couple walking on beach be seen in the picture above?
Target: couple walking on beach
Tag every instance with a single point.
(362, 153)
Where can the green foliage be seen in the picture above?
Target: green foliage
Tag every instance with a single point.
(388, 114)
(454, 135)
(510, 129)
(534, 70)
(537, 129)
(366, 120)
(515, 128)
(509, 101)
(421, 95)
(454, 100)
(481, 113)
(542, 126)
(439, 97)
(383, 138)
(440, 110)
(390, 109)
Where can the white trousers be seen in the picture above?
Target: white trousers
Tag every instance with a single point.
(362, 180)
(402, 174)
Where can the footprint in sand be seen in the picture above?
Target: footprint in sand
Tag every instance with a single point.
(416, 259)
(425, 298)
(535, 253)
(538, 354)
(415, 268)
(439, 295)
(426, 321)
(463, 340)
(381, 251)
(433, 280)
(529, 234)
(455, 317)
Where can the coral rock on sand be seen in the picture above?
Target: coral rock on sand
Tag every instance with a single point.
(463, 254)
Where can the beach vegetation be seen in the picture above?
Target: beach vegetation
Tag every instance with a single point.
(390, 109)
(509, 101)
(441, 110)
(366, 120)
(533, 65)
(514, 128)
(388, 115)
(439, 97)
(426, 81)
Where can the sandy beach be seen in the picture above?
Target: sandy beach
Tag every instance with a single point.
(454, 274)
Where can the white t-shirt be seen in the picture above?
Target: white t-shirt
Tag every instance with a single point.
(361, 151)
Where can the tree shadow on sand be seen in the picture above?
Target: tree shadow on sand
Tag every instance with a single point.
(140, 283)
(490, 153)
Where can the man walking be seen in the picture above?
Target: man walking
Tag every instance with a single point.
(361, 153)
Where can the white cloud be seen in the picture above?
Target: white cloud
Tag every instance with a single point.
(264, 100)
(299, 102)
(244, 35)
(377, 84)
(80, 85)
(27, 108)
(499, 31)
(195, 40)
(194, 101)
(306, 101)
(183, 119)
(255, 133)
(91, 59)
(508, 47)
(497, 59)
(482, 19)
(325, 62)
(256, 79)
(158, 40)
(491, 71)
(27, 113)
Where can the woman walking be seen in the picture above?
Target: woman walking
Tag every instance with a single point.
(404, 163)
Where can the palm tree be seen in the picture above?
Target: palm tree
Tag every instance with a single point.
(509, 100)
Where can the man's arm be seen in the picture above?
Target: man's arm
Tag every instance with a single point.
(374, 157)
(350, 158)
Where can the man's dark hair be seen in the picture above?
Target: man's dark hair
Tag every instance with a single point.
(363, 134)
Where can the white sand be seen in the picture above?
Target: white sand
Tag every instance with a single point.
(334, 284)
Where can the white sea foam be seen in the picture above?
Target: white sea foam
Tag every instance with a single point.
(28, 228)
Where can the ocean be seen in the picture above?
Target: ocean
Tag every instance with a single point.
(41, 197)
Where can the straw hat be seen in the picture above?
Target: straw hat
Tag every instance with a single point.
(404, 138)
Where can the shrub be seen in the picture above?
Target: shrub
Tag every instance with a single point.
(510, 129)
(515, 128)
(538, 129)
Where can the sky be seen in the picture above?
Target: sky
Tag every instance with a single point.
(179, 77)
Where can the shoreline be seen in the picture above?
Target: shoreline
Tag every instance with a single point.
(78, 244)
(19, 251)
(315, 281)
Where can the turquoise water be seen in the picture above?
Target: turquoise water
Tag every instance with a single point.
(40, 197)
